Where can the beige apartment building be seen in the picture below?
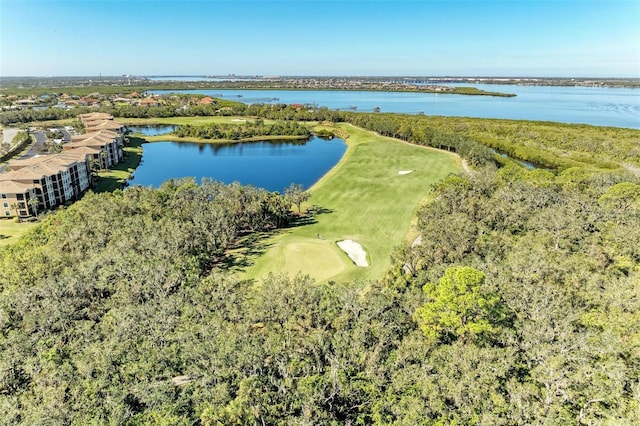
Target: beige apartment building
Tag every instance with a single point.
(15, 197)
(58, 178)
(52, 179)
(97, 125)
(107, 142)
(96, 121)
(94, 116)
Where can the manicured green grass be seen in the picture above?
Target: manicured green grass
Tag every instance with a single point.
(115, 178)
(10, 231)
(364, 199)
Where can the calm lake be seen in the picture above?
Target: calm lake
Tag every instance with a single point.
(270, 165)
(586, 105)
(152, 130)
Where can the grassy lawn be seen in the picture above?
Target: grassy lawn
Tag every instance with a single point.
(364, 199)
(10, 231)
(115, 178)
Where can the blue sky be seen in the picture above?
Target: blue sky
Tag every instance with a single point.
(306, 37)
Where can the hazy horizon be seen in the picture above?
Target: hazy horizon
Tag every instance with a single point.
(265, 76)
(545, 39)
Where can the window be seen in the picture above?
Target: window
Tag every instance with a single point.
(5, 205)
(3, 196)
(7, 213)
(20, 196)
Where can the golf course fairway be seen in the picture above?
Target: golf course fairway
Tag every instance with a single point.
(370, 197)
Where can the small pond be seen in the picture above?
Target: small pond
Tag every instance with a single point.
(152, 129)
(526, 164)
(270, 165)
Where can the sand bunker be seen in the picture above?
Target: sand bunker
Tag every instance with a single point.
(354, 251)
(404, 172)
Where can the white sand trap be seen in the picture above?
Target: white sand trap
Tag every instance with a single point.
(404, 172)
(238, 119)
(354, 251)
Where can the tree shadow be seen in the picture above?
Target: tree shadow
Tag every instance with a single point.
(309, 217)
(245, 250)
(318, 210)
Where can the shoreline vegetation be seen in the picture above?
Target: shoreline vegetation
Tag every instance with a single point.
(114, 84)
(330, 86)
(288, 84)
(117, 177)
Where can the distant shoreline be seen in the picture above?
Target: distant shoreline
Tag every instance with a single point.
(373, 83)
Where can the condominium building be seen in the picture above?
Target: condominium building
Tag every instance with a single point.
(42, 182)
(96, 121)
(94, 116)
(15, 199)
(109, 144)
(97, 125)
(52, 179)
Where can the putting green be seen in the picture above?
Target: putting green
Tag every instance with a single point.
(363, 198)
(316, 257)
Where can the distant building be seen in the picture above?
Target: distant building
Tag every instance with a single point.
(149, 102)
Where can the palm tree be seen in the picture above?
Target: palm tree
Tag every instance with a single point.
(34, 203)
(16, 206)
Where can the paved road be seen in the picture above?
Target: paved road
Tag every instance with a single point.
(40, 139)
(66, 136)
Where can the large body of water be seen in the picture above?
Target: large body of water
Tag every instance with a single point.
(270, 165)
(617, 107)
(152, 129)
(275, 166)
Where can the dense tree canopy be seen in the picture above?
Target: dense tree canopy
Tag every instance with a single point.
(246, 130)
(521, 305)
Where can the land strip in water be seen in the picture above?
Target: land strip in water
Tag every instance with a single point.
(106, 87)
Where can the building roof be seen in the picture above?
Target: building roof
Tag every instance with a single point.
(98, 138)
(95, 116)
(84, 150)
(25, 162)
(44, 165)
(11, 187)
(150, 101)
(59, 158)
(27, 173)
(94, 125)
